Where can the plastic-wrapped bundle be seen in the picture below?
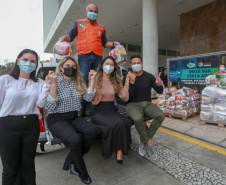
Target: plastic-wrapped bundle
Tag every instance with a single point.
(181, 107)
(206, 100)
(162, 109)
(171, 98)
(213, 106)
(220, 93)
(196, 109)
(181, 113)
(168, 111)
(166, 91)
(221, 102)
(170, 107)
(206, 115)
(172, 90)
(160, 102)
(119, 53)
(185, 106)
(219, 108)
(61, 50)
(180, 98)
(179, 92)
(181, 102)
(188, 91)
(193, 104)
(221, 76)
(163, 97)
(170, 104)
(211, 80)
(219, 117)
(196, 103)
(191, 98)
(207, 107)
(209, 91)
(223, 83)
(197, 96)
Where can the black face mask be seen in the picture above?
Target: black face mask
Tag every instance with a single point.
(70, 71)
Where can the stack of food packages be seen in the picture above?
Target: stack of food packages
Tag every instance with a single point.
(183, 102)
(211, 80)
(213, 107)
(216, 80)
(154, 93)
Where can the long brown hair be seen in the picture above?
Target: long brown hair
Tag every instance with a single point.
(80, 84)
(15, 71)
(115, 76)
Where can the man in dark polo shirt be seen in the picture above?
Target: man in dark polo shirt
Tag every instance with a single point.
(140, 104)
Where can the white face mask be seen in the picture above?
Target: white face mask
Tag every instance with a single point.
(222, 68)
(137, 67)
(108, 69)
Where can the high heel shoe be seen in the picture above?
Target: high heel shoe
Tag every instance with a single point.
(87, 180)
(72, 168)
(118, 161)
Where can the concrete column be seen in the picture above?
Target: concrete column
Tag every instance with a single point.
(150, 36)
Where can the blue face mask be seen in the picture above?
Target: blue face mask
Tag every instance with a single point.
(27, 67)
(92, 16)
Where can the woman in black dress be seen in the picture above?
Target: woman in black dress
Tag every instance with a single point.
(116, 136)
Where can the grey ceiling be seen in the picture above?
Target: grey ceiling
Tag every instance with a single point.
(125, 16)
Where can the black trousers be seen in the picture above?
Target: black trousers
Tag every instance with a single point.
(18, 141)
(68, 126)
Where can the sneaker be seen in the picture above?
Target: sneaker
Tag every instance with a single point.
(142, 148)
(152, 152)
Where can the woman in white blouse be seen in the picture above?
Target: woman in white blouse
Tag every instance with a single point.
(20, 96)
(63, 104)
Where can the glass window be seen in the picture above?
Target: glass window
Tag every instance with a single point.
(171, 53)
(162, 51)
(134, 48)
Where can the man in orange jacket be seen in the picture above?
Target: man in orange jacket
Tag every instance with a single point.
(91, 38)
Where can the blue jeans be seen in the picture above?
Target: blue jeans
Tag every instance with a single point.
(87, 62)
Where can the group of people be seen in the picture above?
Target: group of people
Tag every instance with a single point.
(62, 93)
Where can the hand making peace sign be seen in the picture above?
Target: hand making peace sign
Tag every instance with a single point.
(158, 81)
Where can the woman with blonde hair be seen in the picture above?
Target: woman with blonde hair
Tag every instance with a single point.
(116, 135)
(63, 104)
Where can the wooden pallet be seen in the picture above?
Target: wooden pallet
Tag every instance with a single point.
(221, 125)
(183, 118)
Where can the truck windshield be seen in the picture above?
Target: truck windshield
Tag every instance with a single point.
(43, 72)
